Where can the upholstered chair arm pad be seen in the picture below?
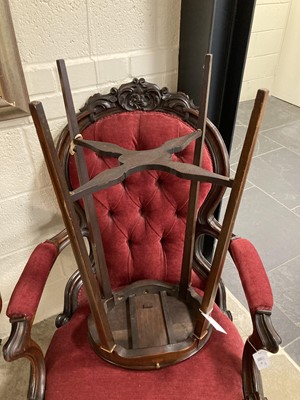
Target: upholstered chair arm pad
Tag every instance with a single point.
(252, 274)
(27, 293)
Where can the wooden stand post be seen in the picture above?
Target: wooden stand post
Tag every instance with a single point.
(231, 212)
(189, 238)
(72, 225)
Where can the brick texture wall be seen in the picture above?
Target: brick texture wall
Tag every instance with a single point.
(267, 35)
(104, 43)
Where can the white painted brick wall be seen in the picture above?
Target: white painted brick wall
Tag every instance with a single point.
(82, 73)
(267, 34)
(157, 62)
(104, 43)
(112, 69)
(48, 30)
(122, 26)
(40, 80)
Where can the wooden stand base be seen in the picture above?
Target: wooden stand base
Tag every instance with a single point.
(151, 326)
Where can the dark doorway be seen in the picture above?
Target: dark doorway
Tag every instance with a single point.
(220, 27)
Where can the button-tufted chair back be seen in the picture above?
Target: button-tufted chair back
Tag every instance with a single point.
(142, 219)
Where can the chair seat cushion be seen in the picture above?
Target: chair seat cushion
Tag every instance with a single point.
(75, 372)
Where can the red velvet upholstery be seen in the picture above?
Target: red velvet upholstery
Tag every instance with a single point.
(74, 371)
(142, 221)
(27, 293)
(253, 275)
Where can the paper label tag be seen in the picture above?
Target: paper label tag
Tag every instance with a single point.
(261, 359)
(214, 323)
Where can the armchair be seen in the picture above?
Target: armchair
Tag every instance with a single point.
(142, 223)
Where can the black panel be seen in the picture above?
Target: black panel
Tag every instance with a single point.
(221, 27)
(195, 38)
(236, 63)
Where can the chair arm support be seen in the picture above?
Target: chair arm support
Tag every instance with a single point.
(22, 308)
(260, 300)
(252, 274)
(27, 293)
(21, 345)
(264, 337)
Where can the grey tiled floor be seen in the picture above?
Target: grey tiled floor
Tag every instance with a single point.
(269, 215)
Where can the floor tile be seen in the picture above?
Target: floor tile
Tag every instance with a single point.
(277, 113)
(14, 376)
(285, 328)
(274, 230)
(281, 380)
(287, 136)
(285, 281)
(264, 144)
(293, 350)
(296, 210)
(277, 173)
(241, 316)
(247, 186)
(14, 379)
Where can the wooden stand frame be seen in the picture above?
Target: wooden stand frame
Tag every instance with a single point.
(121, 324)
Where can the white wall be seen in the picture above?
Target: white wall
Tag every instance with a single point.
(104, 43)
(287, 79)
(268, 29)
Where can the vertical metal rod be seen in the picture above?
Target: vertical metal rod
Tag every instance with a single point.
(189, 239)
(72, 225)
(231, 212)
(88, 201)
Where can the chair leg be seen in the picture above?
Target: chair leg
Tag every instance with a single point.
(264, 337)
(252, 383)
(231, 212)
(21, 345)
